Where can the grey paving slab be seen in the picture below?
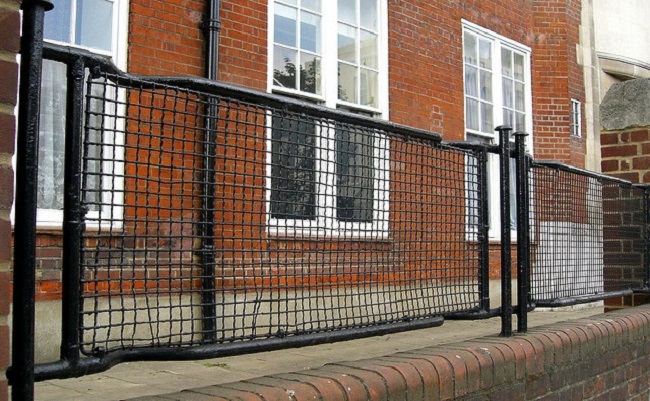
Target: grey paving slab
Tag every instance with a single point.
(146, 380)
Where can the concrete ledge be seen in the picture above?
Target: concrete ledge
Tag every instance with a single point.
(604, 357)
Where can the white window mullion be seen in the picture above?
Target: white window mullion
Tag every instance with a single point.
(330, 58)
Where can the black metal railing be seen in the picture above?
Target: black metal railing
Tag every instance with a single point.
(589, 235)
(203, 220)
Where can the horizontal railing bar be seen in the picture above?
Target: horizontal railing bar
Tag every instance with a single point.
(471, 146)
(583, 299)
(64, 369)
(587, 173)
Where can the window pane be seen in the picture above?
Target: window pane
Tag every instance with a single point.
(471, 114)
(486, 86)
(95, 147)
(508, 93)
(51, 136)
(469, 49)
(471, 81)
(284, 67)
(293, 175)
(284, 31)
(292, 2)
(354, 175)
(487, 125)
(513, 194)
(57, 21)
(94, 24)
(506, 62)
(313, 5)
(520, 122)
(310, 74)
(519, 97)
(348, 11)
(369, 45)
(369, 90)
(485, 54)
(507, 118)
(347, 42)
(519, 66)
(347, 83)
(369, 15)
(310, 31)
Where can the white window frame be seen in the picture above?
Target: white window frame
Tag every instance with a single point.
(497, 43)
(53, 218)
(325, 222)
(576, 118)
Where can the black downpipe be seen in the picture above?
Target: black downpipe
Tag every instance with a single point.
(31, 66)
(506, 258)
(211, 29)
(523, 233)
(73, 213)
(484, 230)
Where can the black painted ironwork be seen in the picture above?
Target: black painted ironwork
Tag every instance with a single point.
(31, 45)
(203, 219)
(588, 235)
(506, 229)
(523, 232)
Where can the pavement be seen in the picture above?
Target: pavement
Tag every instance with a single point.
(141, 379)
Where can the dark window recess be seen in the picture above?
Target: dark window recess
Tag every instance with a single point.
(293, 183)
(354, 175)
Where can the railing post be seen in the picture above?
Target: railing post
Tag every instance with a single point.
(73, 213)
(483, 229)
(31, 65)
(646, 238)
(506, 258)
(523, 233)
(208, 299)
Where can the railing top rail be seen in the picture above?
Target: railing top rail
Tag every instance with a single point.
(587, 173)
(68, 54)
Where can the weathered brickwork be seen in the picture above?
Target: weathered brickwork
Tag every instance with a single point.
(626, 155)
(9, 46)
(557, 78)
(604, 358)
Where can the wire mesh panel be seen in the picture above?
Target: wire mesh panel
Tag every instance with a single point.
(299, 223)
(587, 234)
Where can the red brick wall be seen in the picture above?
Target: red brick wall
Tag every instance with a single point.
(626, 154)
(9, 46)
(425, 65)
(604, 358)
(557, 78)
(164, 37)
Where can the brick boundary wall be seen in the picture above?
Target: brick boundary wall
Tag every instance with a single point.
(626, 154)
(9, 46)
(606, 357)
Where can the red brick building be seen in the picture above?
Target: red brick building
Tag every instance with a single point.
(457, 69)
(454, 68)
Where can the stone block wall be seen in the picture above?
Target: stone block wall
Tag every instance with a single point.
(625, 150)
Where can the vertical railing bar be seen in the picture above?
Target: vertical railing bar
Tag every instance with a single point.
(484, 230)
(31, 45)
(523, 235)
(73, 213)
(506, 258)
(646, 238)
(208, 298)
